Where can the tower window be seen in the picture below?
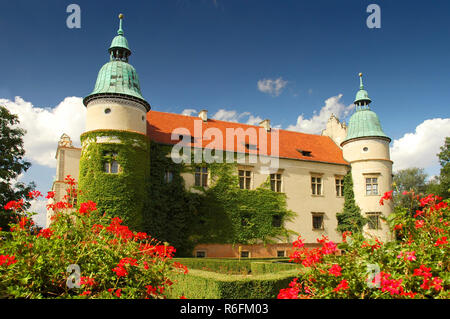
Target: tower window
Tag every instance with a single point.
(201, 176)
(372, 186)
(275, 182)
(373, 220)
(107, 110)
(168, 176)
(339, 186)
(111, 164)
(316, 185)
(276, 221)
(365, 149)
(245, 179)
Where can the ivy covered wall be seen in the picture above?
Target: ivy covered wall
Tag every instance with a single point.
(221, 213)
(123, 194)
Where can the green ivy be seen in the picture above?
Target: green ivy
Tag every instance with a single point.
(222, 213)
(122, 194)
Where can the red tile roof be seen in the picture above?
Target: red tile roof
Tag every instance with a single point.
(321, 148)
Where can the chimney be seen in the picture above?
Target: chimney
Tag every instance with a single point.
(265, 124)
(203, 114)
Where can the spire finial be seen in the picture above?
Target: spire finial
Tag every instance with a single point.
(361, 86)
(120, 31)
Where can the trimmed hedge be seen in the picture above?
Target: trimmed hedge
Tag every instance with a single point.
(236, 266)
(199, 284)
(271, 267)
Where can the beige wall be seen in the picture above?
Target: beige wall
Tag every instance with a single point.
(373, 162)
(124, 115)
(296, 184)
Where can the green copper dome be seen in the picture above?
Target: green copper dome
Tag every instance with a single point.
(362, 95)
(118, 77)
(364, 122)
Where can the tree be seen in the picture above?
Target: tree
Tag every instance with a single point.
(408, 179)
(12, 164)
(350, 219)
(444, 160)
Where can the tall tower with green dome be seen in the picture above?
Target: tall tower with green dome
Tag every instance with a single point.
(114, 164)
(366, 148)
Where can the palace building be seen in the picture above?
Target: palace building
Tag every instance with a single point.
(309, 168)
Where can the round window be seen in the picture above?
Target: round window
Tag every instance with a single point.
(365, 149)
(107, 110)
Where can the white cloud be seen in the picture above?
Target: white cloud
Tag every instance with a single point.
(234, 116)
(45, 126)
(272, 87)
(39, 207)
(189, 112)
(419, 149)
(318, 122)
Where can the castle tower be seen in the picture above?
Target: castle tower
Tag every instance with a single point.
(366, 148)
(114, 160)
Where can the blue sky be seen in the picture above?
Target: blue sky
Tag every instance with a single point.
(209, 54)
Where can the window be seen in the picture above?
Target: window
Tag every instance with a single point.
(245, 219)
(201, 176)
(107, 110)
(276, 221)
(168, 176)
(111, 165)
(245, 179)
(372, 186)
(275, 182)
(316, 185)
(317, 220)
(200, 254)
(245, 254)
(339, 186)
(373, 220)
(281, 253)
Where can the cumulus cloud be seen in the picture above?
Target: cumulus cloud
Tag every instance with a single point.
(318, 122)
(234, 116)
(39, 207)
(45, 126)
(189, 112)
(419, 149)
(272, 87)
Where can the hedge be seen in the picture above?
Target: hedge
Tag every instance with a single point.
(199, 284)
(236, 266)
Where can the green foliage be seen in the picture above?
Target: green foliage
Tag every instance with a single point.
(444, 160)
(416, 265)
(123, 194)
(350, 219)
(12, 164)
(199, 284)
(113, 261)
(221, 213)
(409, 179)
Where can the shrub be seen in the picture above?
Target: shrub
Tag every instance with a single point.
(113, 261)
(416, 265)
(199, 284)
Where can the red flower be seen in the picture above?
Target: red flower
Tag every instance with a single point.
(85, 293)
(419, 223)
(50, 195)
(120, 271)
(7, 259)
(34, 194)
(88, 281)
(441, 241)
(46, 233)
(15, 205)
(335, 270)
(343, 285)
(86, 208)
(386, 196)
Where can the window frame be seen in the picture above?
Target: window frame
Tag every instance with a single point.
(200, 251)
(277, 184)
(108, 164)
(203, 174)
(322, 216)
(247, 178)
(315, 183)
(372, 183)
(339, 184)
(370, 221)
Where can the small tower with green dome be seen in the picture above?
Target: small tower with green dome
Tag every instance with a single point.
(114, 164)
(366, 148)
